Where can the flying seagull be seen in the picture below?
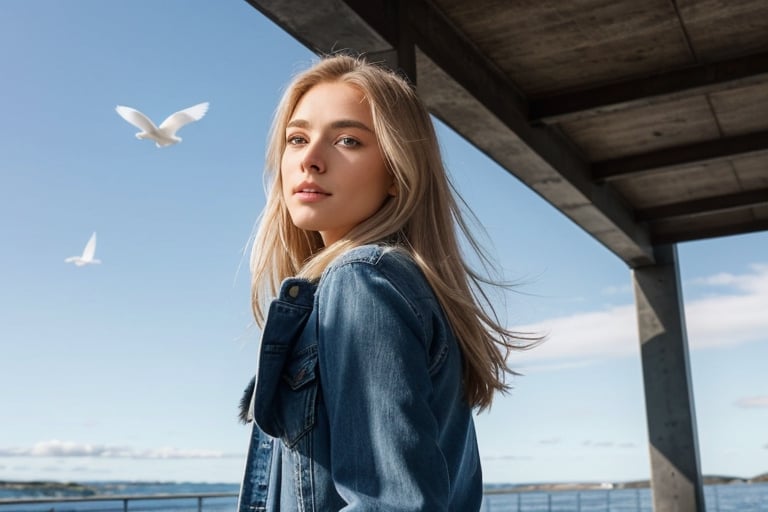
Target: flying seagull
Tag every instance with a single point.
(165, 135)
(87, 257)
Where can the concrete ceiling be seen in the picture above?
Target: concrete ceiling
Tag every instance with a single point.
(646, 123)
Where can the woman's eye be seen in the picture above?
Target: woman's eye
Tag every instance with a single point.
(296, 139)
(348, 142)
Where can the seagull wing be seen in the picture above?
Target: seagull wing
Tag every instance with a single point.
(136, 118)
(178, 119)
(90, 248)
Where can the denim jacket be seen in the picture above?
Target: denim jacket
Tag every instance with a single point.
(359, 404)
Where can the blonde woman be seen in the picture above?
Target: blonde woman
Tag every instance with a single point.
(377, 343)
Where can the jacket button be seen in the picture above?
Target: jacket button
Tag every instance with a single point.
(293, 291)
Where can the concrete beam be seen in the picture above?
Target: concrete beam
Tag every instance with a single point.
(675, 469)
(706, 206)
(662, 160)
(323, 26)
(650, 90)
(679, 230)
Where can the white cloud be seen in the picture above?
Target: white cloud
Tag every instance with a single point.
(611, 332)
(733, 314)
(727, 279)
(624, 289)
(751, 402)
(608, 444)
(731, 318)
(56, 448)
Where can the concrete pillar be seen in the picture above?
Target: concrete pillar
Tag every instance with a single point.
(402, 56)
(675, 469)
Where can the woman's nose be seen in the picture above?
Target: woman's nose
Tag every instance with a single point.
(313, 160)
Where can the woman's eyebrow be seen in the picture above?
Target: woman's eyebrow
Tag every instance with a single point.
(297, 123)
(341, 123)
(350, 123)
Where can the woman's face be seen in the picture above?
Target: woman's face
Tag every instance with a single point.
(333, 172)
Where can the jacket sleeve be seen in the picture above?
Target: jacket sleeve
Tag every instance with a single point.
(374, 375)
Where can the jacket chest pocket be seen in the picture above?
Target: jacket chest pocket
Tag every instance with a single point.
(286, 388)
(298, 396)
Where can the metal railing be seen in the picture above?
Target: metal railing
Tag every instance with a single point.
(592, 500)
(124, 498)
(513, 502)
(744, 498)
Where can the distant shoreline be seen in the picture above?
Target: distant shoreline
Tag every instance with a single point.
(93, 487)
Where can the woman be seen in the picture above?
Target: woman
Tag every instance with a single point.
(379, 344)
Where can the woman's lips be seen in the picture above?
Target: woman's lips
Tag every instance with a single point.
(310, 193)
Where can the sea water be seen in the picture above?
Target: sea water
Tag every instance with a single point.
(739, 497)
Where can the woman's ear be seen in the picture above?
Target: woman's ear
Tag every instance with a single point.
(392, 189)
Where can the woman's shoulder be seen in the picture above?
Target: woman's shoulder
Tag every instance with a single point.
(374, 261)
(382, 257)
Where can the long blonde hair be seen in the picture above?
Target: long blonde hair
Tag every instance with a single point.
(423, 217)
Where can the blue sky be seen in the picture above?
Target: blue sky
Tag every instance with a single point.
(132, 369)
